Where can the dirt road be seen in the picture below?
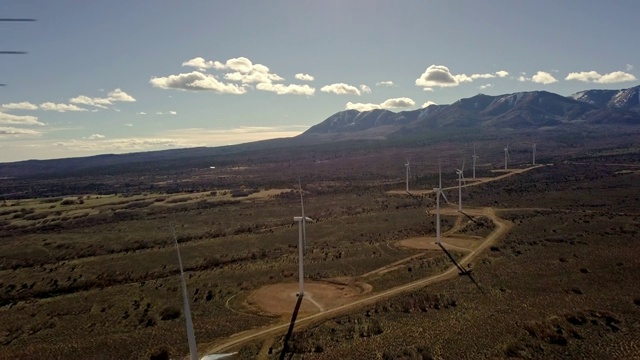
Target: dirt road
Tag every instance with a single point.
(235, 341)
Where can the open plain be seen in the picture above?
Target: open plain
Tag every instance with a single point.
(549, 253)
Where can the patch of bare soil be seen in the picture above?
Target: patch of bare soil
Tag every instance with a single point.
(280, 299)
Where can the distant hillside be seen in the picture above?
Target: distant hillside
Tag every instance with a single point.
(628, 99)
(525, 110)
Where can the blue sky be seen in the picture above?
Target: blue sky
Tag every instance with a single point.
(124, 76)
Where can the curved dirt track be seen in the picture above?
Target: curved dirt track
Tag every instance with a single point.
(234, 341)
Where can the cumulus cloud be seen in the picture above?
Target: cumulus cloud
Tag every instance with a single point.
(427, 89)
(141, 113)
(365, 89)
(25, 105)
(291, 89)
(362, 106)
(440, 76)
(304, 77)
(253, 77)
(10, 119)
(13, 131)
(541, 77)
(49, 106)
(196, 81)
(384, 83)
(595, 77)
(202, 64)
(437, 75)
(427, 104)
(173, 113)
(485, 86)
(387, 104)
(117, 95)
(397, 103)
(340, 89)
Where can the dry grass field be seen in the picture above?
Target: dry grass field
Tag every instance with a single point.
(95, 275)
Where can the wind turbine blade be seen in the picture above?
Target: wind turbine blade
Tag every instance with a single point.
(445, 197)
(463, 161)
(439, 174)
(193, 350)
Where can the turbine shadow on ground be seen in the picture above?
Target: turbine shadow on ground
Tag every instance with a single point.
(463, 271)
(294, 316)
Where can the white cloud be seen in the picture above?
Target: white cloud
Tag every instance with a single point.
(340, 89)
(253, 77)
(397, 103)
(362, 106)
(485, 86)
(12, 131)
(437, 75)
(202, 64)
(117, 95)
(427, 89)
(159, 113)
(20, 106)
(49, 106)
(196, 81)
(120, 96)
(542, 77)
(85, 100)
(595, 77)
(291, 89)
(427, 104)
(384, 83)
(172, 113)
(95, 136)
(365, 89)
(128, 124)
(629, 67)
(128, 144)
(141, 113)
(387, 104)
(304, 77)
(10, 119)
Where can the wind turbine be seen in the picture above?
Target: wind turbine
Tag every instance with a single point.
(534, 153)
(460, 173)
(408, 173)
(506, 156)
(193, 350)
(302, 242)
(474, 157)
(439, 192)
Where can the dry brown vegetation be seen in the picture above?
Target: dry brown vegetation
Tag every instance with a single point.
(94, 274)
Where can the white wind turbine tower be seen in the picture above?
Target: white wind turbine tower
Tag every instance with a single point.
(408, 173)
(302, 242)
(506, 156)
(193, 350)
(534, 153)
(475, 157)
(438, 192)
(460, 173)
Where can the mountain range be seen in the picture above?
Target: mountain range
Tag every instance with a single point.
(520, 111)
(524, 110)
